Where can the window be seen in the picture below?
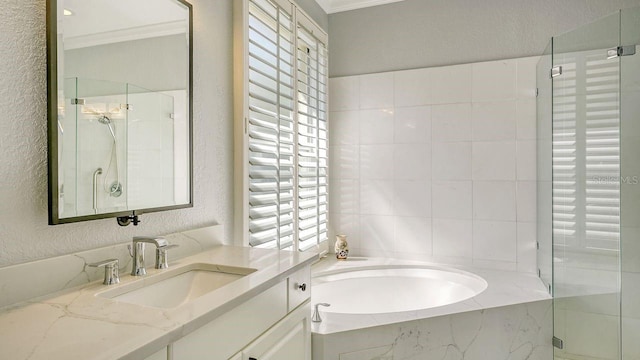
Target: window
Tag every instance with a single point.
(281, 126)
(586, 152)
(312, 140)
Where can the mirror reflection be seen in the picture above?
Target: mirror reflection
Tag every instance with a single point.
(123, 122)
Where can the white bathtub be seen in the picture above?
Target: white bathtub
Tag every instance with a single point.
(399, 309)
(389, 289)
(367, 292)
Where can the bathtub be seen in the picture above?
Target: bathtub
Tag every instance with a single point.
(388, 309)
(386, 289)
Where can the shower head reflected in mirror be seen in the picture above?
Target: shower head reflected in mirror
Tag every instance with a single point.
(104, 119)
(115, 189)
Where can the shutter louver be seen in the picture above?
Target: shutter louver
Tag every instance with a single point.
(270, 125)
(312, 140)
(586, 153)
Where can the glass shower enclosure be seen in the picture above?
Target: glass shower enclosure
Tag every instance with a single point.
(589, 187)
(117, 148)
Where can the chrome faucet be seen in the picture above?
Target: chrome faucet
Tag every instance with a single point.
(111, 276)
(316, 313)
(137, 252)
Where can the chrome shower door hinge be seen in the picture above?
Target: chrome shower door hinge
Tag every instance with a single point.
(621, 51)
(558, 343)
(77, 101)
(126, 106)
(556, 71)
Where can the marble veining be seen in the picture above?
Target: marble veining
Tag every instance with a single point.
(76, 324)
(516, 332)
(32, 280)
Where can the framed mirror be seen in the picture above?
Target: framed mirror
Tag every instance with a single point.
(119, 108)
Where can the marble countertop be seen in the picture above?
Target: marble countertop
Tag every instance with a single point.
(504, 288)
(76, 324)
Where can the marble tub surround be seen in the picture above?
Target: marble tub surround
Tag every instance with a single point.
(77, 324)
(34, 279)
(504, 289)
(514, 332)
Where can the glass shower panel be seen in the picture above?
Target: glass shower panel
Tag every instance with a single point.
(586, 191)
(101, 146)
(544, 173)
(630, 186)
(151, 152)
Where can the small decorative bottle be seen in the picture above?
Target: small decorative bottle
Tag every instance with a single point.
(341, 247)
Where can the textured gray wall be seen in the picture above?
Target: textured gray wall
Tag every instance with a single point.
(138, 62)
(24, 233)
(420, 33)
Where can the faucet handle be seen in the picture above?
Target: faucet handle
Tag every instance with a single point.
(162, 258)
(111, 272)
(316, 314)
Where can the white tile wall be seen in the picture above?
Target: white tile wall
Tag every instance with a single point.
(494, 160)
(413, 87)
(452, 199)
(376, 126)
(452, 84)
(412, 161)
(451, 161)
(451, 122)
(376, 91)
(412, 125)
(494, 200)
(495, 80)
(437, 163)
(494, 121)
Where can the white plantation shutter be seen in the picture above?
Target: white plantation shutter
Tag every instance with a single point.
(283, 136)
(565, 182)
(602, 158)
(312, 139)
(586, 152)
(270, 125)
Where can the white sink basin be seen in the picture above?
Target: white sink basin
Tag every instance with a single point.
(176, 287)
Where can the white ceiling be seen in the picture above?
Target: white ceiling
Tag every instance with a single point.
(108, 16)
(334, 6)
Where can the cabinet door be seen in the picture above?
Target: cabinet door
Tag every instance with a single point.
(232, 331)
(299, 287)
(290, 339)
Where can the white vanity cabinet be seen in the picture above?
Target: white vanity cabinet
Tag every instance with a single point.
(288, 340)
(267, 326)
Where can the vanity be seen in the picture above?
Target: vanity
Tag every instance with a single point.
(259, 310)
